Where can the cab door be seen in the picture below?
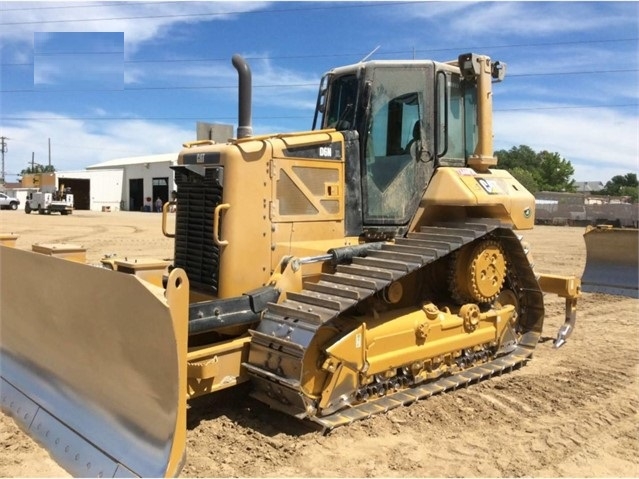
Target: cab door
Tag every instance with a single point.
(397, 157)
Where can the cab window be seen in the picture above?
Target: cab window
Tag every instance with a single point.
(341, 107)
(456, 119)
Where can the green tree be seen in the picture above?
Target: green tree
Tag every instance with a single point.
(38, 168)
(521, 156)
(553, 173)
(537, 171)
(622, 185)
(526, 178)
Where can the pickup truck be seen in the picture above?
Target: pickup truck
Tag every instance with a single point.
(8, 202)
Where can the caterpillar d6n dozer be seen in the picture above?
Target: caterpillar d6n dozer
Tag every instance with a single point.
(343, 271)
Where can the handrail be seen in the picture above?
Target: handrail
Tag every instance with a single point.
(165, 210)
(216, 224)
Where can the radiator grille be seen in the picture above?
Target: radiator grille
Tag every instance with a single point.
(195, 251)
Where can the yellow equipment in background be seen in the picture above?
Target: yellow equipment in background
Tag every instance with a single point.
(343, 271)
(612, 264)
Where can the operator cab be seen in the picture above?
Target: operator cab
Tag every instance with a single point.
(410, 118)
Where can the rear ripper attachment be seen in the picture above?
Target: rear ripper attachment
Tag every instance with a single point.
(365, 338)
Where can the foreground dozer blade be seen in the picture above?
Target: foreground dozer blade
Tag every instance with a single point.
(611, 261)
(93, 364)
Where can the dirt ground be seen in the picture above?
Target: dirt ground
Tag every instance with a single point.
(571, 412)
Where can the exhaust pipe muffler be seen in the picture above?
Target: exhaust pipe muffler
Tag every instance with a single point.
(244, 128)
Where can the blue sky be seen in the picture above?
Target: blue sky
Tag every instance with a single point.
(105, 80)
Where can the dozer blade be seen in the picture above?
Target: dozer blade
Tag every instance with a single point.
(93, 364)
(611, 261)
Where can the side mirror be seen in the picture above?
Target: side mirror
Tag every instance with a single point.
(498, 71)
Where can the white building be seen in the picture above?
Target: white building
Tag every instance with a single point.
(126, 183)
(93, 190)
(141, 177)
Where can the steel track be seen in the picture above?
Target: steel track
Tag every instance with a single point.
(279, 343)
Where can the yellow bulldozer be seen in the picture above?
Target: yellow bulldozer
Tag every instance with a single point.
(343, 271)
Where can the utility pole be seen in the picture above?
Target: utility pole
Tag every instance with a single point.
(3, 149)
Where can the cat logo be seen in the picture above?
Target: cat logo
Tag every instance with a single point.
(199, 158)
(489, 186)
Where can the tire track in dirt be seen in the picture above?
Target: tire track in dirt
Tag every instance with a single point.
(79, 237)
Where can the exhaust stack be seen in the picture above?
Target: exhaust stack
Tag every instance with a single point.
(244, 128)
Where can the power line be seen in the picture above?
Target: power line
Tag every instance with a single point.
(226, 59)
(76, 147)
(568, 107)
(44, 54)
(289, 117)
(93, 5)
(204, 14)
(162, 118)
(591, 72)
(160, 88)
(286, 85)
(353, 54)
(525, 45)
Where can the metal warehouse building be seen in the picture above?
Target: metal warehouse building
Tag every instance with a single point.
(139, 177)
(142, 177)
(122, 183)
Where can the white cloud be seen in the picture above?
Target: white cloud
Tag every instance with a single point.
(429, 10)
(600, 143)
(301, 94)
(76, 144)
(46, 73)
(536, 18)
(140, 22)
